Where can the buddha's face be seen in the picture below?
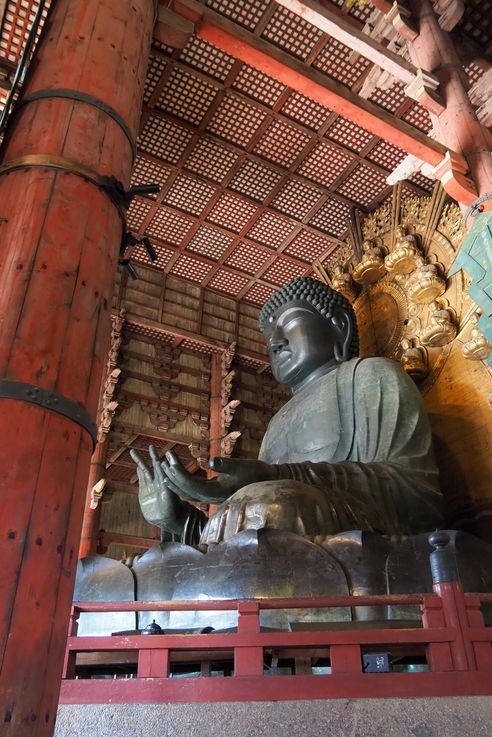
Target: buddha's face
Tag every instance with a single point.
(300, 342)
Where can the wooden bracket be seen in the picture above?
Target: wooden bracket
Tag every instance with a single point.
(171, 29)
(452, 174)
(450, 13)
(399, 16)
(423, 88)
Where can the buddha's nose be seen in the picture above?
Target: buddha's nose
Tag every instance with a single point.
(278, 345)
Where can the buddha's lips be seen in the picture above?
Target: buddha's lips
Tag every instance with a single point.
(282, 357)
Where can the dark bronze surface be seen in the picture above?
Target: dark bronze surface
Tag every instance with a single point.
(340, 501)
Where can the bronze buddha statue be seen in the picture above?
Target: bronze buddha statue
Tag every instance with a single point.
(339, 502)
(353, 442)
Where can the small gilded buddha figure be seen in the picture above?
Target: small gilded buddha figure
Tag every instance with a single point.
(403, 258)
(414, 360)
(477, 347)
(425, 283)
(371, 267)
(342, 282)
(441, 329)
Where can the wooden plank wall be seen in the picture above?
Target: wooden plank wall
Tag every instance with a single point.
(172, 328)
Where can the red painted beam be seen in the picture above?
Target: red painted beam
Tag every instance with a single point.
(283, 67)
(383, 5)
(457, 126)
(275, 688)
(224, 605)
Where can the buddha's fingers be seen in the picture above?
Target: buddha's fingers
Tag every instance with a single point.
(223, 465)
(141, 466)
(144, 487)
(182, 480)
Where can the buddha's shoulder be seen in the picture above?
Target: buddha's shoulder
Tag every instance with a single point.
(378, 368)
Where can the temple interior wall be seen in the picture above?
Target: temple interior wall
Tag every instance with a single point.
(461, 420)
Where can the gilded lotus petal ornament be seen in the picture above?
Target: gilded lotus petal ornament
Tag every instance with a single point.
(404, 258)
(477, 348)
(425, 284)
(441, 329)
(371, 267)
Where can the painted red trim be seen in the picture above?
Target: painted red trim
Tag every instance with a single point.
(457, 644)
(275, 688)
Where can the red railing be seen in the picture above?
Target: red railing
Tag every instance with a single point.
(453, 637)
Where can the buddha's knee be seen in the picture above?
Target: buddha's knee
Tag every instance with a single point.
(283, 504)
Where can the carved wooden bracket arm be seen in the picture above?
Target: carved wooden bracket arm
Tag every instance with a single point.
(452, 173)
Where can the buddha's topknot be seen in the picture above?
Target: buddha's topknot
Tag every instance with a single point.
(320, 296)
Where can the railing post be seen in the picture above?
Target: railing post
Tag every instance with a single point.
(438, 653)
(345, 659)
(248, 659)
(153, 663)
(447, 586)
(71, 655)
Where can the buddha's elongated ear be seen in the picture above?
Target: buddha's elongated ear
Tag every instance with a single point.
(343, 323)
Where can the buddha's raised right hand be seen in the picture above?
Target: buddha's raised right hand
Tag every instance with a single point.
(159, 504)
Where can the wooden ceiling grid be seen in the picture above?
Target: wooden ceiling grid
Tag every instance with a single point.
(257, 181)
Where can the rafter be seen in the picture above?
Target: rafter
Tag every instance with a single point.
(264, 56)
(337, 27)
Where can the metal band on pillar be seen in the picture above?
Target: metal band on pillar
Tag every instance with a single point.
(476, 206)
(32, 394)
(109, 185)
(88, 100)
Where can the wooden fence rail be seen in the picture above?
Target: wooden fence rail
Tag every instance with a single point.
(456, 643)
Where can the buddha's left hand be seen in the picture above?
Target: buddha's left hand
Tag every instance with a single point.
(234, 473)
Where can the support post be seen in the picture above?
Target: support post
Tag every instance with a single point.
(447, 586)
(248, 659)
(457, 127)
(91, 523)
(60, 233)
(215, 407)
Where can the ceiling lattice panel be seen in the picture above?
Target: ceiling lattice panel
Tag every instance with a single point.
(257, 180)
(209, 242)
(334, 60)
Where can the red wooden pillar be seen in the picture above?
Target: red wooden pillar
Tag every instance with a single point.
(214, 448)
(215, 407)
(91, 523)
(457, 127)
(59, 236)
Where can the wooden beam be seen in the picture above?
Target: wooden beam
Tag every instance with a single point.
(337, 27)
(297, 75)
(133, 541)
(383, 5)
(122, 488)
(171, 29)
(142, 324)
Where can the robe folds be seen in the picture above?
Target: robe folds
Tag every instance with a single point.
(361, 434)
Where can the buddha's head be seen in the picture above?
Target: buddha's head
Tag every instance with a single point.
(309, 329)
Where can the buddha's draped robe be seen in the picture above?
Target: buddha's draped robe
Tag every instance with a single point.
(361, 434)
